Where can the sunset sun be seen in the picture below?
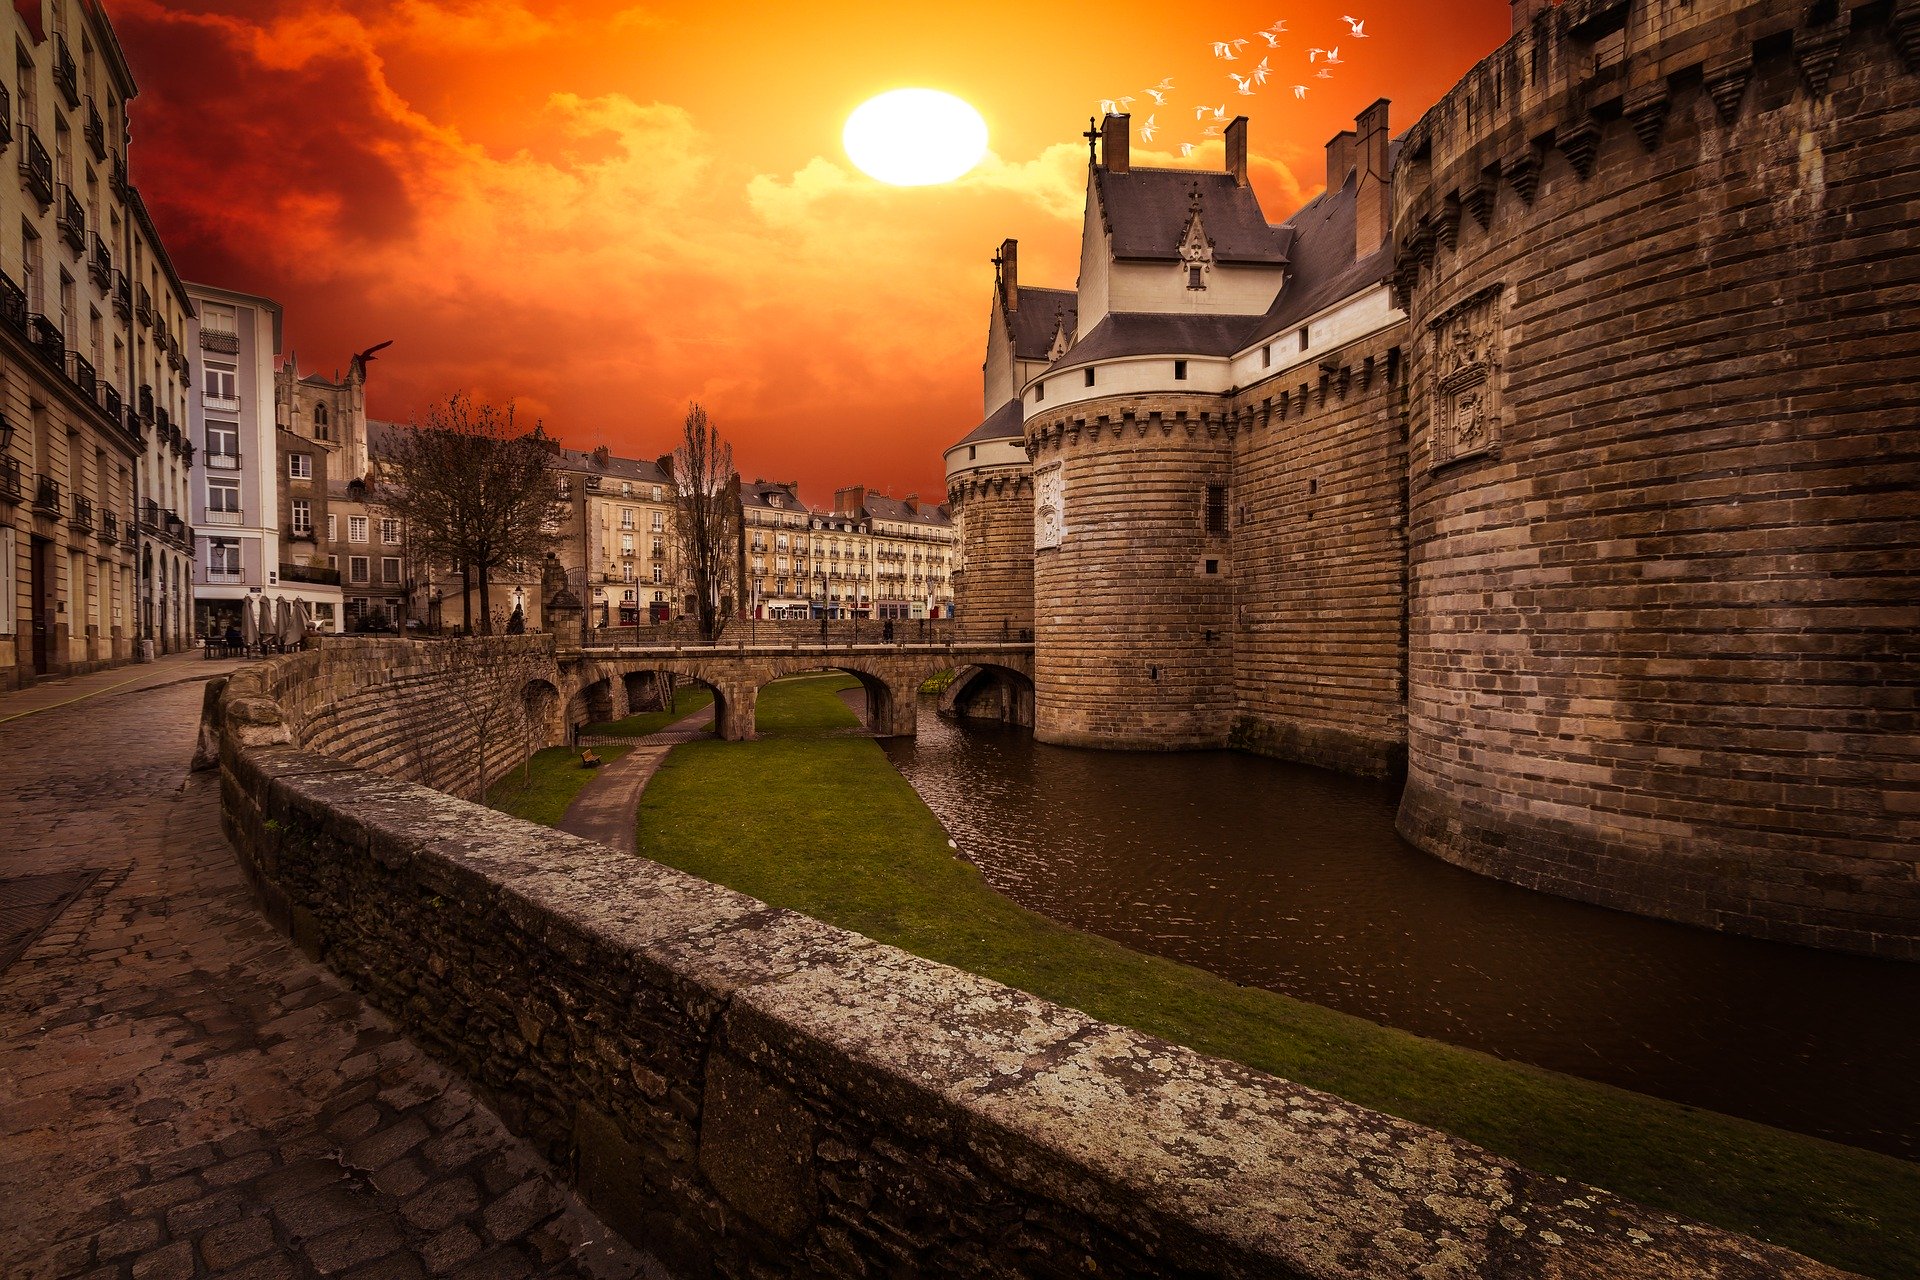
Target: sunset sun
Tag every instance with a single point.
(915, 137)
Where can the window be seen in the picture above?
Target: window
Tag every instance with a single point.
(7, 623)
(1216, 509)
(356, 528)
(656, 493)
(300, 466)
(659, 574)
(223, 441)
(30, 263)
(659, 548)
(1266, 356)
(302, 515)
(973, 451)
(1304, 336)
(333, 527)
(626, 518)
(659, 521)
(223, 558)
(390, 570)
(628, 573)
(626, 544)
(1179, 370)
(357, 568)
(221, 383)
(320, 418)
(1194, 280)
(223, 495)
(390, 530)
(1089, 377)
(333, 562)
(215, 318)
(1039, 392)
(1213, 566)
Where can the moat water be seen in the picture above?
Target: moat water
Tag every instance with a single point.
(1293, 879)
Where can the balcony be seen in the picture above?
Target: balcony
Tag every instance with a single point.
(66, 78)
(119, 177)
(142, 305)
(310, 573)
(81, 520)
(122, 294)
(115, 408)
(46, 338)
(221, 573)
(13, 305)
(100, 263)
(80, 373)
(222, 404)
(146, 402)
(46, 495)
(223, 462)
(36, 169)
(296, 533)
(6, 117)
(150, 515)
(175, 356)
(109, 527)
(73, 221)
(96, 131)
(11, 489)
(225, 343)
(225, 518)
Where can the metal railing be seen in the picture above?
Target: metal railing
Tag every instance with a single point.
(73, 220)
(10, 480)
(122, 293)
(46, 494)
(47, 340)
(36, 166)
(82, 517)
(81, 373)
(109, 527)
(66, 77)
(226, 343)
(223, 461)
(309, 573)
(96, 131)
(100, 262)
(13, 305)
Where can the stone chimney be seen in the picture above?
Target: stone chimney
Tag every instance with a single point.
(1237, 150)
(1010, 274)
(1372, 211)
(1116, 135)
(912, 503)
(1524, 12)
(850, 499)
(601, 453)
(1339, 159)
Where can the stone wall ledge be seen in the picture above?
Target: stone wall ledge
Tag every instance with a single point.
(745, 1090)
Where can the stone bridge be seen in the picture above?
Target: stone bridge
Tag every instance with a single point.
(608, 682)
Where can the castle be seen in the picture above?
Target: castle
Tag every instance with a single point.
(1561, 459)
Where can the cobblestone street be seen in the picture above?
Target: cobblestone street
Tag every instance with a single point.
(183, 1094)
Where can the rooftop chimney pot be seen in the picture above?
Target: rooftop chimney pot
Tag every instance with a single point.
(1116, 136)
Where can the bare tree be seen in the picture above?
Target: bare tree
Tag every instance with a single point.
(473, 491)
(707, 519)
(486, 694)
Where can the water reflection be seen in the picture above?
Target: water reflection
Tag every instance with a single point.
(1294, 879)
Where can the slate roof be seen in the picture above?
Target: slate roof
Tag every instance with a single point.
(757, 494)
(1146, 212)
(883, 508)
(1036, 318)
(638, 470)
(1324, 269)
(1004, 423)
(1140, 333)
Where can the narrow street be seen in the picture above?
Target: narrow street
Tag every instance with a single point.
(181, 1092)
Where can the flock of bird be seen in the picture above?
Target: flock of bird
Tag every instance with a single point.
(1212, 119)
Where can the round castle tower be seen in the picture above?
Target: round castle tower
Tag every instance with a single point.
(1665, 547)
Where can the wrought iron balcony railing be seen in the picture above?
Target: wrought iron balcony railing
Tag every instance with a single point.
(80, 372)
(145, 401)
(225, 343)
(109, 527)
(100, 262)
(82, 517)
(13, 305)
(66, 77)
(47, 339)
(122, 294)
(36, 169)
(96, 131)
(11, 489)
(46, 495)
(223, 461)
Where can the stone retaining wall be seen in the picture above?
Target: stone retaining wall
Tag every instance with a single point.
(747, 1091)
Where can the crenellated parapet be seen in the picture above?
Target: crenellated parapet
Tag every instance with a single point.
(1579, 73)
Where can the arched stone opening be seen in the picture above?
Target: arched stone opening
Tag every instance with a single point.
(654, 689)
(594, 704)
(986, 692)
(881, 706)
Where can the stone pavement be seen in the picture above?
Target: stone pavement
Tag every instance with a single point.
(606, 808)
(182, 1094)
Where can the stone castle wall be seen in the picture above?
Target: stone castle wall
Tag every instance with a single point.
(1133, 636)
(1320, 553)
(1665, 466)
(993, 594)
(743, 1091)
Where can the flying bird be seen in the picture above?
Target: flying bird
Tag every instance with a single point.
(1225, 48)
(1244, 84)
(1126, 102)
(1356, 24)
(1261, 72)
(1186, 149)
(1313, 55)
(366, 357)
(1279, 28)
(1200, 111)
(1220, 112)
(1147, 129)
(1299, 91)
(1159, 98)
(1324, 74)
(1333, 55)
(1273, 41)
(1211, 131)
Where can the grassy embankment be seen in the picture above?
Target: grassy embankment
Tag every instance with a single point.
(825, 825)
(554, 777)
(687, 699)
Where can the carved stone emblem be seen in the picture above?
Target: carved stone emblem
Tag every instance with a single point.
(1049, 507)
(1466, 349)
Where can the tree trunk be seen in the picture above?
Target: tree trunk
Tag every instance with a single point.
(466, 597)
(486, 613)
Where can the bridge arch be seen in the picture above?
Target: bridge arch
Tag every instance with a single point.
(541, 708)
(989, 691)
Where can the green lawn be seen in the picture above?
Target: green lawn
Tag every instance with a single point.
(687, 699)
(825, 825)
(555, 778)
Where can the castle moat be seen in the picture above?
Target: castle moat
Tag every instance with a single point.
(1293, 879)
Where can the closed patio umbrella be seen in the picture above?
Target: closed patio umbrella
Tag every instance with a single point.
(266, 620)
(249, 625)
(292, 630)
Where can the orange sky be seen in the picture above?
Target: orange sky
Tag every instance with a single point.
(601, 209)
